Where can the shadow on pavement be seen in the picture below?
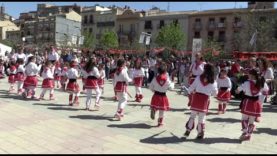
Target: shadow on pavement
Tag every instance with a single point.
(92, 117)
(177, 109)
(164, 140)
(224, 120)
(132, 125)
(49, 104)
(214, 140)
(267, 131)
(139, 105)
(66, 109)
(16, 97)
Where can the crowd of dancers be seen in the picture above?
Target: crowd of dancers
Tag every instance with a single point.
(204, 79)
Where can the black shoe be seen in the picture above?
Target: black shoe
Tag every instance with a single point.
(152, 115)
(200, 136)
(187, 133)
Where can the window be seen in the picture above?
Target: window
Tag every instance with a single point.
(237, 19)
(22, 25)
(222, 19)
(275, 33)
(197, 34)
(198, 20)
(132, 27)
(120, 28)
(85, 19)
(85, 29)
(148, 25)
(161, 23)
(221, 37)
(211, 20)
(91, 19)
(210, 35)
(28, 33)
(175, 22)
(90, 30)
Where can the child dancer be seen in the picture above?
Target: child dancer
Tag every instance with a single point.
(224, 95)
(63, 75)
(57, 72)
(138, 75)
(251, 105)
(120, 81)
(12, 72)
(159, 86)
(2, 69)
(204, 86)
(92, 75)
(195, 70)
(19, 76)
(72, 86)
(101, 78)
(48, 81)
(30, 83)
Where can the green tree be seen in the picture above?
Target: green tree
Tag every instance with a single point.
(265, 23)
(109, 40)
(89, 41)
(9, 43)
(212, 51)
(171, 36)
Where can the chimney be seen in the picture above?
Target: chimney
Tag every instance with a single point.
(2, 9)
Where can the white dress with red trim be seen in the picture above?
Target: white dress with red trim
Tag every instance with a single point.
(92, 79)
(251, 104)
(72, 85)
(200, 99)
(48, 81)
(19, 76)
(100, 80)
(138, 75)
(197, 68)
(224, 87)
(12, 72)
(160, 85)
(31, 71)
(121, 79)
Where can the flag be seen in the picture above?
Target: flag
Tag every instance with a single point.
(141, 39)
(254, 38)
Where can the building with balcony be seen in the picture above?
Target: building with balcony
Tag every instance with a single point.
(222, 25)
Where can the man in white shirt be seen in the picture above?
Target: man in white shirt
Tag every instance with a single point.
(53, 56)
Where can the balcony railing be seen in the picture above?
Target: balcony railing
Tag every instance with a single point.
(197, 26)
(221, 25)
(105, 24)
(237, 24)
(211, 26)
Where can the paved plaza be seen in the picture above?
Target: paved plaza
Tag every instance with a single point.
(28, 126)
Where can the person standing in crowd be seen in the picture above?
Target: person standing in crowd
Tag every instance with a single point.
(21, 55)
(63, 75)
(204, 86)
(48, 81)
(30, 83)
(196, 69)
(224, 95)
(159, 85)
(138, 75)
(57, 75)
(107, 67)
(53, 55)
(145, 65)
(120, 81)
(251, 106)
(20, 76)
(152, 66)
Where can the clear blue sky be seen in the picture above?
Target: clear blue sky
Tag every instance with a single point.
(15, 8)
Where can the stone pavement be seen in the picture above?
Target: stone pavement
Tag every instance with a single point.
(54, 127)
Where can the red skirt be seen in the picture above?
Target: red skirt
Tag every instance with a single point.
(100, 82)
(47, 83)
(72, 87)
(120, 87)
(251, 107)
(91, 83)
(138, 81)
(224, 96)
(30, 81)
(57, 78)
(19, 76)
(159, 101)
(200, 102)
(11, 79)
